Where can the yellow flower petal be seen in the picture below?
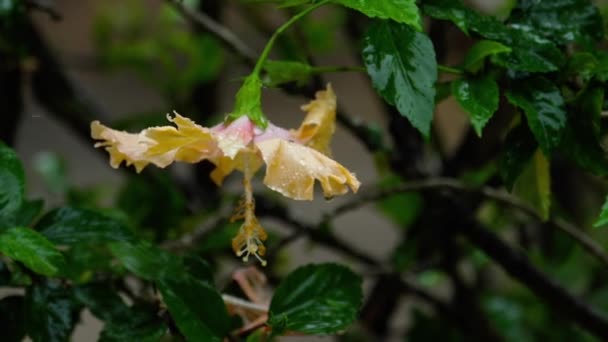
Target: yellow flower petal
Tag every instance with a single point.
(319, 125)
(188, 142)
(225, 165)
(160, 146)
(122, 146)
(291, 169)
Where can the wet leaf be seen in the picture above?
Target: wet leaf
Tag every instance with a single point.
(519, 147)
(562, 21)
(401, 63)
(473, 61)
(316, 299)
(71, 225)
(51, 313)
(544, 107)
(32, 249)
(478, 96)
(12, 184)
(401, 11)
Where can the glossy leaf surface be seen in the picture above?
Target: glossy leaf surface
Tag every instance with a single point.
(401, 63)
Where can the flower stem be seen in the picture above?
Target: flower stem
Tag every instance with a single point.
(260, 63)
(449, 70)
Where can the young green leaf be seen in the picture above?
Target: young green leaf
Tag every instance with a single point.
(73, 226)
(316, 299)
(478, 96)
(51, 312)
(473, 61)
(544, 107)
(401, 63)
(561, 21)
(401, 11)
(12, 184)
(534, 184)
(32, 249)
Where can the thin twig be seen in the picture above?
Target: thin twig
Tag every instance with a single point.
(502, 197)
(226, 36)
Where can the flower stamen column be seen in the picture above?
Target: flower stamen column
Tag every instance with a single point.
(251, 236)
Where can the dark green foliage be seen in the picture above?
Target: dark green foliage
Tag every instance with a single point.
(492, 234)
(316, 299)
(51, 312)
(401, 63)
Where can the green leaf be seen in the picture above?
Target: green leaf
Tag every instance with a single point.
(12, 186)
(70, 226)
(401, 11)
(478, 96)
(544, 107)
(13, 322)
(562, 21)
(581, 142)
(316, 299)
(401, 63)
(473, 61)
(139, 324)
(84, 261)
(122, 323)
(603, 218)
(32, 249)
(153, 205)
(529, 52)
(103, 301)
(584, 64)
(519, 147)
(280, 72)
(147, 261)
(249, 101)
(51, 313)
(534, 184)
(197, 308)
(28, 212)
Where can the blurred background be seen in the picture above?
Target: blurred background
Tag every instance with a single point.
(129, 62)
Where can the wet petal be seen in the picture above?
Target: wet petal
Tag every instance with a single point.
(319, 125)
(291, 169)
(235, 136)
(225, 165)
(122, 146)
(160, 146)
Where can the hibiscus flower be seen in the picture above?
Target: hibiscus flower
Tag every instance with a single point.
(294, 159)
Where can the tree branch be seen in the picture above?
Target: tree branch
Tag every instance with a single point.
(517, 265)
(501, 197)
(226, 36)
